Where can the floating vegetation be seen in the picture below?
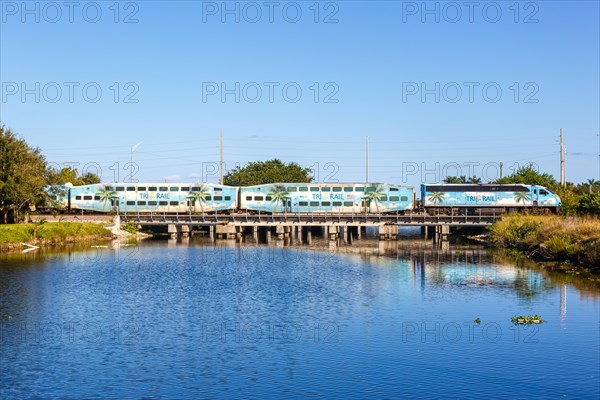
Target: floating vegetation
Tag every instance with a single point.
(527, 319)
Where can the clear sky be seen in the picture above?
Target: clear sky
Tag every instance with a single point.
(435, 86)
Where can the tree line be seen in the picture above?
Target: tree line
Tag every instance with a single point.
(24, 173)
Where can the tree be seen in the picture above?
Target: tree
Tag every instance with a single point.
(279, 194)
(22, 175)
(529, 176)
(589, 203)
(262, 172)
(462, 179)
(68, 174)
(199, 195)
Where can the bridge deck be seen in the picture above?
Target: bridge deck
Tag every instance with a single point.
(311, 219)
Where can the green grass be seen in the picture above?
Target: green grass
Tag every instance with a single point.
(574, 239)
(51, 232)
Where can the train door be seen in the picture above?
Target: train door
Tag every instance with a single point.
(535, 197)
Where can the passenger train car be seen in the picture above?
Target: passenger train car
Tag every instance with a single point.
(507, 197)
(150, 197)
(327, 198)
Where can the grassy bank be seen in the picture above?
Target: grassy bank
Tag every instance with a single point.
(50, 233)
(551, 238)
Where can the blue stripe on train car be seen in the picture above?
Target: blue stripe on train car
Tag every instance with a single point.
(326, 198)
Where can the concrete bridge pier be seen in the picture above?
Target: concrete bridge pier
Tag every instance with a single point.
(173, 232)
(228, 231)
(333, 232)
(309, 235)
(282, 231)
(185, 231)
(388, 232)
(441, 233)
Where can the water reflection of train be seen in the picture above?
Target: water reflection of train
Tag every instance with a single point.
(302, 198)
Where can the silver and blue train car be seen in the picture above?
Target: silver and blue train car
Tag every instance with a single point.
(326, 198)
(506, 196)
(152, 198)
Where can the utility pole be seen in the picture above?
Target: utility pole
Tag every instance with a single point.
(500, 169)
(367, 162)
(563, 180)
(221, 164)
(598, 156)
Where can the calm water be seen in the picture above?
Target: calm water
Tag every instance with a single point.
(186, 320)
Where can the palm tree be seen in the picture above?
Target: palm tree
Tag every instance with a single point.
(375, 196)
(522, 197)
(278, 194)
(474, 179)
(106, 195)
(437, 197)
(201, 194)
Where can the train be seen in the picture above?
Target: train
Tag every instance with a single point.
(302, 198)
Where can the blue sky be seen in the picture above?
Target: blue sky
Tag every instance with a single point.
(453, 90)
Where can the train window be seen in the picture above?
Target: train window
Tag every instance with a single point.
(173, 203)
(141, 188)
(141, 203)
(218, 189)
(314, 188)
(131, 203)
(248, 198)
(360, 189)
(404, 198)
(196, 188)
(120, 188)
(208, 198)
(185, 188)
(292, 189)
(227, 198)
(348, 204)
(396, 198)
(109, 188)
(303, 189)
(258, 198)
(151, 203)
(131, 188)
(543, 192)
(325, 189)
(384, 198)
(152, 189)
(314, 204)
(218, 198)
(303, 203)
(371, 189)
(96, 197)
(87, 197)
(174, 189)
(163, 189)
(393, 189)
(337, 203)
(77, 197)
(163, 203)
(337, 189)
(268, 198)
(326, 204)
(348, 189)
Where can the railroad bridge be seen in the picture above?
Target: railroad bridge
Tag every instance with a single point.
(334, 226)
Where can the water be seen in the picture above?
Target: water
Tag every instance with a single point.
(189, 320)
